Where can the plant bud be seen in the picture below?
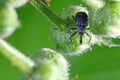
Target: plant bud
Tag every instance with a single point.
(50, 66)
(8, 21)
(106, 21)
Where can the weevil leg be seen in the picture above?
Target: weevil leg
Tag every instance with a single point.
(73, 17)
(72, 35)
(88, 36)
(71, 29)
(81, 39)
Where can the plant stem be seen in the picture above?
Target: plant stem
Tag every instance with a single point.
(24, 63)
(47, 12)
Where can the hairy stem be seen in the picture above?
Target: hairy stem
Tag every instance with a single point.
(17, 58)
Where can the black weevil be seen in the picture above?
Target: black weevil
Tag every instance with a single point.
(81, 21)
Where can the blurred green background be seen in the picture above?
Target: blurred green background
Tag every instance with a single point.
(102, 63)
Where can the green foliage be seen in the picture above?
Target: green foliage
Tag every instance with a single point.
(104, 18)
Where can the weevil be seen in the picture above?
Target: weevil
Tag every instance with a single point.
(81, 21)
